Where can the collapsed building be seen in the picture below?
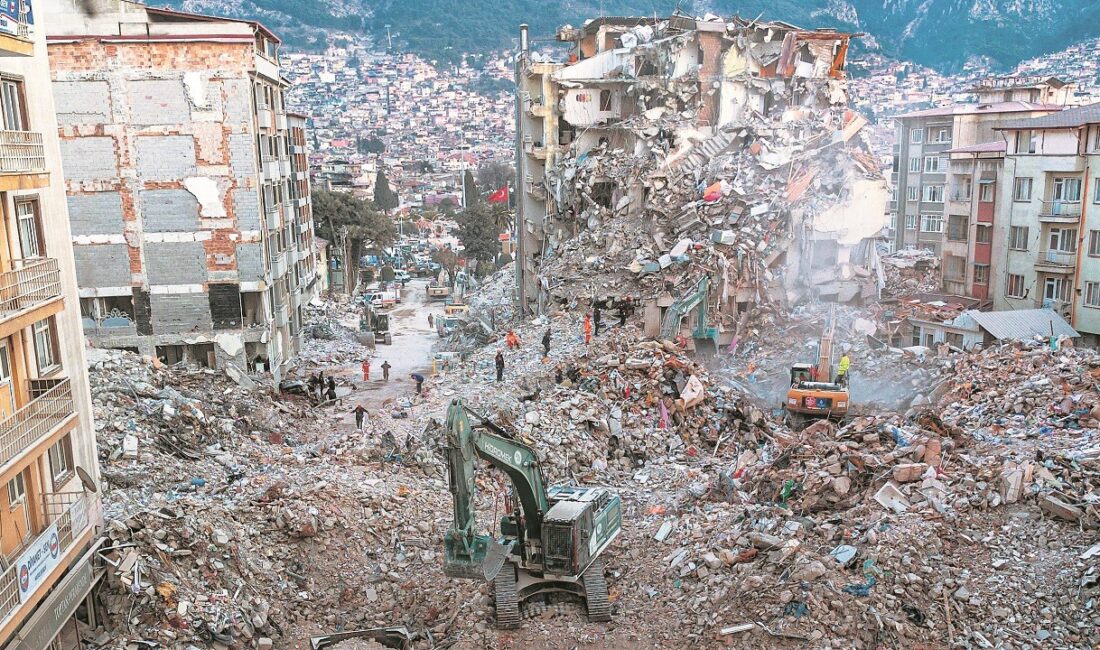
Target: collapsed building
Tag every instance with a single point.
(667, 152)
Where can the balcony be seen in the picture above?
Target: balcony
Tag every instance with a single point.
(280, 121)
(278, 265)
(114, 323)
(15, 34)
(1060, 212)
(282, 315)
(265, 117)
(29, 285)
(1055, 261)
(50, 407)
(66, 516)
(22, 161)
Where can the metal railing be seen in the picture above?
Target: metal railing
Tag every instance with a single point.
(48, 408)
(29, 283)
(21, 151)
(1060, 209)
(1057, 258)
(57, 509)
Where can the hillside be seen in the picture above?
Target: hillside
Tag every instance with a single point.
(942, 34)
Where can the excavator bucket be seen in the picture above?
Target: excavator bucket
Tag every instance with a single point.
(461, 561)
(706, 347)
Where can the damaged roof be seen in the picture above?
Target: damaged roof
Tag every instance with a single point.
(982, 147)
(1071, 118)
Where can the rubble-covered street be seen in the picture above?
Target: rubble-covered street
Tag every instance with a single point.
(242, 518)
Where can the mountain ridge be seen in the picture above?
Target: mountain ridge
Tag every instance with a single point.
(942, 34)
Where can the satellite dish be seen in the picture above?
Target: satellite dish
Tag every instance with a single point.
(89, 484)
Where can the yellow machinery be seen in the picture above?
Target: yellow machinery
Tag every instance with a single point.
(815, 392)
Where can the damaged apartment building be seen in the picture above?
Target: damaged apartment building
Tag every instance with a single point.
(188, 190)
(669, 157)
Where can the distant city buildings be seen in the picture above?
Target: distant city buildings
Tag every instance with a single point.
(187, 181)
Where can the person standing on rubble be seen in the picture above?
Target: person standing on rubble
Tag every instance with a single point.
(587, 329)
(546, 343)
(386, 370)
(431, 321)
(366, 369)
(596, 319)
(499, 361)
(842, 369)
(419, 379)
(332, 387)
(360, 413)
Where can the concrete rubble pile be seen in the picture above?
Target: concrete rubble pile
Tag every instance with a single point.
(910, 272)
(770, 201)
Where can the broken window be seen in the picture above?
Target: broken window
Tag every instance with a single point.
(109, 311)
(203, 355)
(1017, 238)
(1014, 288)
(957, 227)
(252, 308)
(601, 193)
(953, 338)
(605, 101)
(170, 354)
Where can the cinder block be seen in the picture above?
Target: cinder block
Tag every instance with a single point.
(95, 214)
(169, 211)
(168, 263)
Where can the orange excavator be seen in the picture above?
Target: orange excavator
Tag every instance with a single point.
(815, 393)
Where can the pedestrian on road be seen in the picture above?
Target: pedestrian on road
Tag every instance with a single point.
(596, 319)
(500, 365)
(366, 369)
(386, 370)
(419, 379)
(546, 343)
(360, 413)
(587, 329)
(431, 320)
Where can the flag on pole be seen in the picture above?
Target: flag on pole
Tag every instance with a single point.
(500, 196)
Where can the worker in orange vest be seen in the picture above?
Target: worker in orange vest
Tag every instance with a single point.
(587, 329)
(366, 369)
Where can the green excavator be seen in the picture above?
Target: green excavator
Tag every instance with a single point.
(551, 540)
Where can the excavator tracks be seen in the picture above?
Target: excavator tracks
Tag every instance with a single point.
(595, 593)
(504, 592)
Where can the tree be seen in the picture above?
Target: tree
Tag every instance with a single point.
(493, 175)
(369, 145)
(469, 189)
(447, 259)
(352, 225)
(479, 234)
(385, 199)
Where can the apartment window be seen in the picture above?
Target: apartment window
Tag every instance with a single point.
(1025, 141)
(934, 164)
(964, 189)
(953, 339)
(45, 345)
(1056, 289)
(931, 223)
(605, 101)
(941, 134)
(1092, 294)
(1017, 238)
(894, 193)
(17, 491)
(13, 104)
(916, 136)
(1094, 243)
(1096, 140)
(957, 227)
(1096, 185)
(1066, 189)
(985, 193)
(933, 194)
(981, 274)
(983, 234)
(1015, 286)
(910, 222)
(896, 165)
(1063, 240)
(912, 193)
(1021, 189)
(61, 459)
(914, 164)
(893, 221)
(28, 216)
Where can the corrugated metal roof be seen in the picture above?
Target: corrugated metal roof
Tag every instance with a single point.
(1022, 324)
(981, 108)
(1068, 119)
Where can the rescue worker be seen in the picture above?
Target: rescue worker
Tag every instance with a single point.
(587, 329)
(596, 319)
(546, 343)
(419, 379)
(360, 413)
(512, 340)
(499, 361)
(842, 369)
(366, 369)
(386, 370)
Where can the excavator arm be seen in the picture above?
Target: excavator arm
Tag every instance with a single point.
(466, 550)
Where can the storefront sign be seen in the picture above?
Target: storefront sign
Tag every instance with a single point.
(37, 562)
(62, 603)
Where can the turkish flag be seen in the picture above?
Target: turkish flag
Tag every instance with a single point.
(500, 196)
